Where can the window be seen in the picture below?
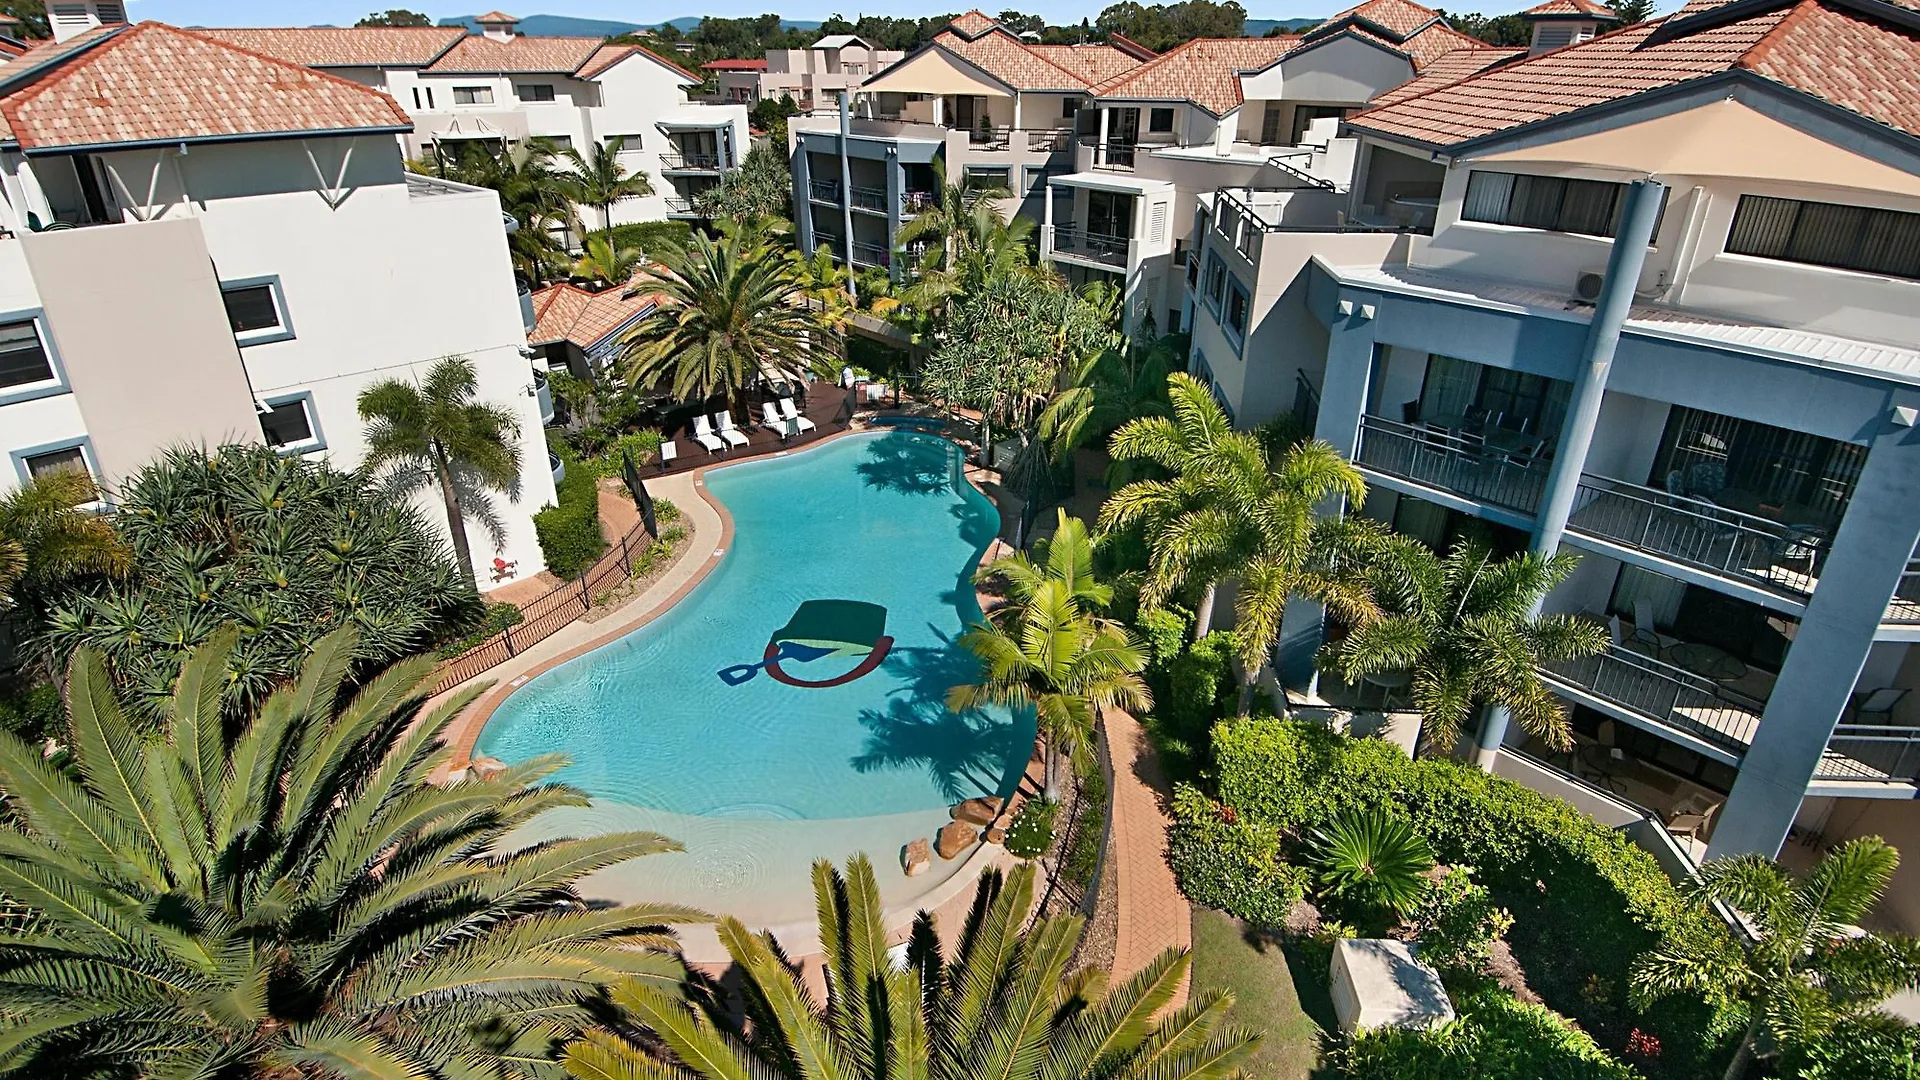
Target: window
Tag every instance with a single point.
(1160, 120)
(1862, 238)
(1235, 321)
(533, 92)
(1556, 203)
(1551, 36)
(66, 459)
(1305, 115)
(256, 311)
(1033, 178)
(1216, 282)
(558, 142)
(289, 424)
(977, 177)
(473, 95)
(23, 359)
(628, 143)
(1069, 107)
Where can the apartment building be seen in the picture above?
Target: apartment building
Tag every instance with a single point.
(200, 244)
(1663, 314)
(498, 88)
(814, 77)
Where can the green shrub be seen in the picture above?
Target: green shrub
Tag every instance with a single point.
(30, 710)
(1496, 1038)
(1584, 899)
(1164, 631)
(609, 463)
(1191, 691)
(571, 538)
(1227, 862)
(1082, 856)
(1031, 833)
(651, 236)
(1874, 1047)
(1457, 923)
(497, 618)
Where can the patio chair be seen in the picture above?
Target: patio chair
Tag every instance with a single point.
(800, 423)
(1693, 826)
(723, 426)
(703, 434)
(771, 419)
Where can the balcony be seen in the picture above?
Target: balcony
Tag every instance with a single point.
(871, 199)
(1508, 470)
(1114, 154)
(1904, 608)
(915, 203)
(681, 206)
(824, 191)
(1871, 754)
(525, 291)
(557, 467)
(1622, 680)
(1101, 248)
(543, 393)
(690, 161)
(869, 254)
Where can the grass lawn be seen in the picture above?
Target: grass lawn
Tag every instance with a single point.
(1229, 955)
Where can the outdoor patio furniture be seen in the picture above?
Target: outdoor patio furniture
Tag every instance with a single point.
(1643, 628)
(800, 422)
(703, 434)
(723, 425)
(771, 419)
(1388, 682)
(1693, 826)
(504, 568)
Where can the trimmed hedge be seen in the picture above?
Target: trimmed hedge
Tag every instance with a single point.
(571, 538)
(1226, 862)
(1585, 900)
(1495, 1038)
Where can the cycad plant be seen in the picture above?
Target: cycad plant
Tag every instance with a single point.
(1373, 859)
(1809, 967)
(284, 893)
(1464, 627)
(1004, 1006)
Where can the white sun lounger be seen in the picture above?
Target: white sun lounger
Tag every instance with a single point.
(703, 434)
(771, 419)
(800, 423)
(723, 422)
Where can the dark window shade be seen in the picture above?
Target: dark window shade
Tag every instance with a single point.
(1590, 207)
(251, 308)
(1160, 120)
(70, 459)
(23, 359)
(1237, 310)
(535, 92)
(287, 424)
(1860, 238)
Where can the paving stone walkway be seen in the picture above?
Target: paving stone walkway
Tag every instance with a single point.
(1153, 915)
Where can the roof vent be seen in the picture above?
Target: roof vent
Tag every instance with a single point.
(70, 20)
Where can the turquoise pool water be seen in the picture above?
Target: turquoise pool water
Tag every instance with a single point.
(745, 773)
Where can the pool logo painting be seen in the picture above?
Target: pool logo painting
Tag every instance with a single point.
(822, 630)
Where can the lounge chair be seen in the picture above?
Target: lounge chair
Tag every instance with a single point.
(771, 419)
(723, 423)
(703, 434)
(800, 423)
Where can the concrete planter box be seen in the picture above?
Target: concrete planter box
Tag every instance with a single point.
(1379, 983)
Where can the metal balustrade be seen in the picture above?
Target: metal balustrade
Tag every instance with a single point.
(1664, 693)
(869, 198)
(827, 191)
(1114, 154)
(689, 161)
(1451, 461)
(1700, 534)
(1099, 247)
(869, 254)
(1905, 606)
(679, 205)
(916, 202)
(1872, 752)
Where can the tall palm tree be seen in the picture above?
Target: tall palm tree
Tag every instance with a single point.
(599, 179)
(288, 895)
(730, 316)
(1106, 390)
(604, 260)
(1809, 967)
(46, 538)
(1061, 662)
(825, 284)
(1004, 1006)
(1227, 512)
(533, 192)
(436, 431)
(1464, 627)
(1065, 557)
(952, 219)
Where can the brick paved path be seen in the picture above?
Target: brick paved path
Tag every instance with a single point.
(1153, 915)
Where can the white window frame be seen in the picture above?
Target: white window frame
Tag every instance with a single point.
(473, 92)
(520, 93)
(266, 334)
(82, 443)
(316, 438)
(57, 383)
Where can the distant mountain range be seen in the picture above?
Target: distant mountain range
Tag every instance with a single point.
(570, 26)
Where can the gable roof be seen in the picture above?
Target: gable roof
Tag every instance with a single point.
(153, 83)
(1205, 71)
(1400, 19)
(567, 312)
(1571, 9)
(1447, 70)
(475, 54)
(1851, 54)
(346, 46)
(734, 65)
(999, 52)
(1094, 63)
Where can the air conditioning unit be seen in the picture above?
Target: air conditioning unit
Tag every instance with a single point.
(1588, 284)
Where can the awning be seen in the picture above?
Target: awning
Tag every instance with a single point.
(1725, 138)
(938, 72)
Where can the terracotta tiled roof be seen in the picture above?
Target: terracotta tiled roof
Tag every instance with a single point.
(1008, 59)
(1204, 71)
(1831, 53)
(567, 312)
(479, 55)
(1437, 41)
(1570, 9)
(1093, 63)
(495, 16)
(1402, 17)
(49, 51)
(734, 65)
(1448, 69)
(346, 46)
(11, 48)
(156, 83)
(973, 22)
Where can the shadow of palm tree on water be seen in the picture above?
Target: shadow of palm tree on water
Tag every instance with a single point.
(910, 464)
(965, 754)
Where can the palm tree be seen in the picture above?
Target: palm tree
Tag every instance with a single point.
(1059, 661)
(285, 894)
(435, 430)
(953, 218)
(47, 539)
(1004, 1006)
(730, 316)
(603, 260)
(1465, 627)
(535, 194)
(599, 180)
(1809, 968)
(1105, 391)
(825, 284)
(1227, 512)
(1065, 557)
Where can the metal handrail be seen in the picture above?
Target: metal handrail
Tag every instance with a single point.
(1262, 225)
(1874, 752)
(1698, 533)
(1115, 154)
(1302, 175)
(1442, 459)
(824, 190)
(869, 198)
(678, 205)
(1660, 691)
(869, 254)
(681, 159)
(1100, 247)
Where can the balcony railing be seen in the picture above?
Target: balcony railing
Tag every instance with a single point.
(543, 393)
(1873, 753)
(1116, 154)
(870, 198)
(869, 254)
(917, 202)
(1905, 606)
(1669, 695)
(689, 161)
(1700, 534)
(1100, 247)
(677, 204)
(826, 191)
(1451, 461)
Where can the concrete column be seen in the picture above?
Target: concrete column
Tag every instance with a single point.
(1046, 223)
(1870, 550)
(801, 166)
(1343, 400)
(846, 186)
(1624, 263)
(1100, 147)
(896, 191)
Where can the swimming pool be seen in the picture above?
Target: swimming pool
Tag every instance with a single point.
(850, 571)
